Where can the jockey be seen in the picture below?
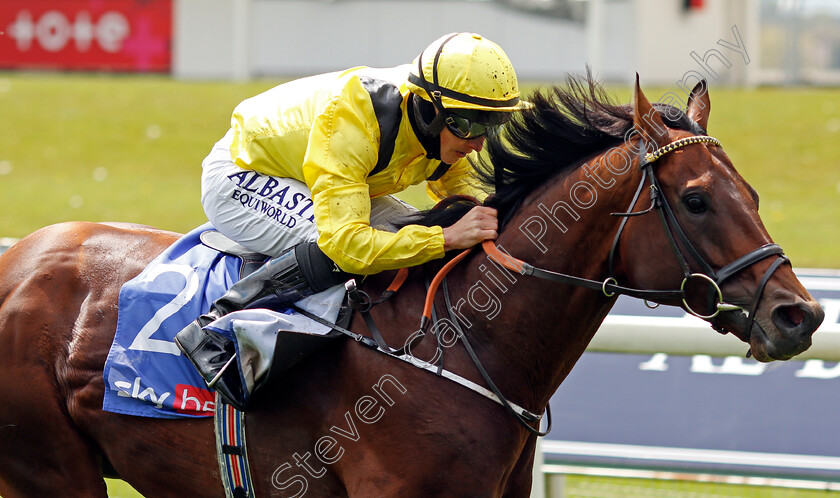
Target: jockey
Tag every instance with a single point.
(305, 173)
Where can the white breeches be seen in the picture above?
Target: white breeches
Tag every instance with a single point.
(269, 214)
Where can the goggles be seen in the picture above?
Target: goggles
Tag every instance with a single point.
(467, 124)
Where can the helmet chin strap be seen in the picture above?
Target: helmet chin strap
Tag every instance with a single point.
(423, 115)
(428, 127)
(422, 125)
(435, 126)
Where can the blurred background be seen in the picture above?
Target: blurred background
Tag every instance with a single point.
(784, 41)
(107, 108)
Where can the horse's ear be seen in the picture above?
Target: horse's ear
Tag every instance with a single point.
(647, 120)
(699, 104)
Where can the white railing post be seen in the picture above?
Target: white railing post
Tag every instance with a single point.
(538, 480)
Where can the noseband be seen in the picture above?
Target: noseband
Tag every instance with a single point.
(676, 238)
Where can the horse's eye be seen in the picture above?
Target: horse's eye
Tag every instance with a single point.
(695, 203)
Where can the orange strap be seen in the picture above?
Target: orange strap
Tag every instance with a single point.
(402, 274)
(493, 253)
(426, 319)
(503, 259)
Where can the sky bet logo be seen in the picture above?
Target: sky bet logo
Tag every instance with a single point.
(189, 400)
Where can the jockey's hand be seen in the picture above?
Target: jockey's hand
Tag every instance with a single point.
(479, 224)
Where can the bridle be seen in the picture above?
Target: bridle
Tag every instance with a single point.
(609, 286)
(676, 238)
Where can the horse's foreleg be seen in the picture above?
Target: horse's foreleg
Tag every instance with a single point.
(41, 452)
(521, 477)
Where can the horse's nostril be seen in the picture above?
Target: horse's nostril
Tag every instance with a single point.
(797, 320)
(794, 315)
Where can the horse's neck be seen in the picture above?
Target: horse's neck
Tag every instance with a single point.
(542, 327)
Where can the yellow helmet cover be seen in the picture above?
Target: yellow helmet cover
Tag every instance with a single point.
(466, 71)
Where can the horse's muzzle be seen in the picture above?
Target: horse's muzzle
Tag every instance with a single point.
(788, 332)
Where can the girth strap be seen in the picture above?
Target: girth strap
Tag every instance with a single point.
(231, 451)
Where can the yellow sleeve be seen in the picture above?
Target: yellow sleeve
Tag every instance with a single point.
(460, 179)
(342, 150)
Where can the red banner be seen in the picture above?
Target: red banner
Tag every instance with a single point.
(117, 35)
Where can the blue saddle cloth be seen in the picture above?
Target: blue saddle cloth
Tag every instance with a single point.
(145, 373)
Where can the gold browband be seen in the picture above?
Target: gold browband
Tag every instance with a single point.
(653, 156)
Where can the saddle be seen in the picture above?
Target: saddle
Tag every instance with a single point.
(290, 347)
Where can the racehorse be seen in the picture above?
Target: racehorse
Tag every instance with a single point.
(574, 177)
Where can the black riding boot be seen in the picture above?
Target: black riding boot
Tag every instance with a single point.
(297, 273)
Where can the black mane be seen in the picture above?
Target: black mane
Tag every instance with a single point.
(563, 130)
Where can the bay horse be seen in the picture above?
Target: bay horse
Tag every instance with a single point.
(350, 421)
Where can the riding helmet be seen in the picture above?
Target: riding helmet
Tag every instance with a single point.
(466, 71)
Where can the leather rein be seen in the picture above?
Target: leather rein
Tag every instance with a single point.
(610, 287)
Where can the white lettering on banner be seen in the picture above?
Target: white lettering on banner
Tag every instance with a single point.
(144, 341)
(700, 363)
(53, 31)
(111, 30)
(831, 307)
(657, 363)
(816, 369)
(732, 365)
(135, 392)
(737, 365)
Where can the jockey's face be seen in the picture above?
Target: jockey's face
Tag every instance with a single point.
(453, 148)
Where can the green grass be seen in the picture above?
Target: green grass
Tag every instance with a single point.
(578, 486)
(129, 148)
(121, 489)
(107, 148)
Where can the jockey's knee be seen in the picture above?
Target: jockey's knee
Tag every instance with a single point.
(318, 269)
